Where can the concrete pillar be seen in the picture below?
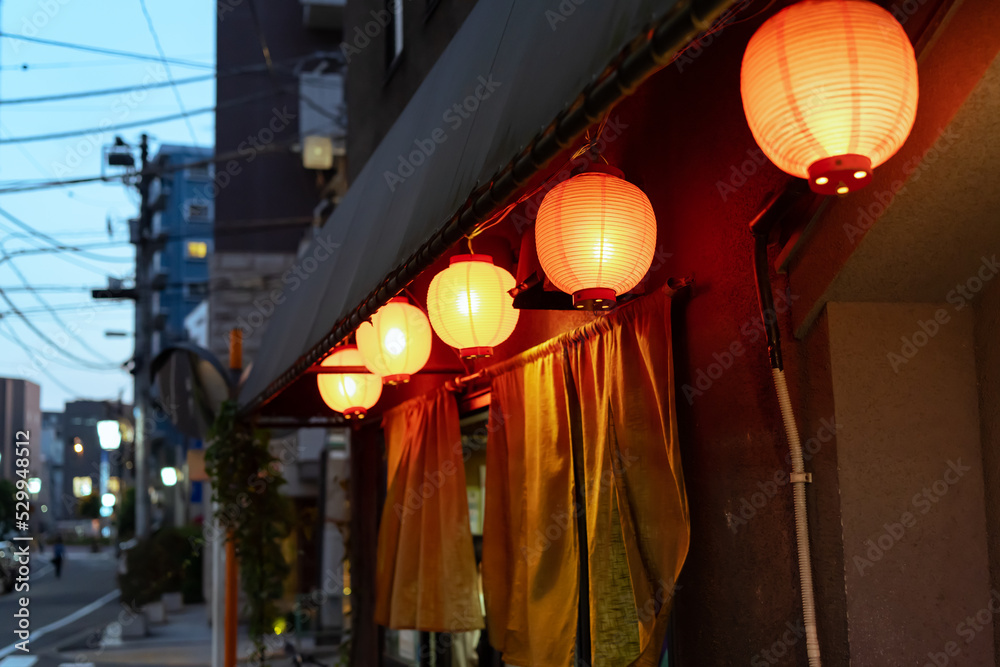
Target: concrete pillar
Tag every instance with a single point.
(911, 484)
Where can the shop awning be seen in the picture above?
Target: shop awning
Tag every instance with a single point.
(519, 81)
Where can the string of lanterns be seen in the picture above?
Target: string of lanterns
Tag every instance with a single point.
(829, 89)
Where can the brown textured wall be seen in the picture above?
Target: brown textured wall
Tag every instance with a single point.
(988, 371)
(911, 482)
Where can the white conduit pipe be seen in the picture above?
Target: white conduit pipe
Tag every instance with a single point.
(799, 479)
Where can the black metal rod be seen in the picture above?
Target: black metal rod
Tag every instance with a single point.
(773, 211)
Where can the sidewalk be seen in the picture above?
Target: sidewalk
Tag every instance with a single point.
(185, 639)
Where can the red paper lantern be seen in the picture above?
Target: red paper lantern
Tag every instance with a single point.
(830, 91)
(470, 306)
(596, 235)
(397, 342)
(352, 394)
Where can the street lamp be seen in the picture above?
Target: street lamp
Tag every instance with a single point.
(77, 446)
(109, 433)
(108, 500)
(168, 476)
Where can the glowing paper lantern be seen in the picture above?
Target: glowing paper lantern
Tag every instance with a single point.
(830, 91)
(352, 394)
(397, 342)
(596, 235)
(470, 307)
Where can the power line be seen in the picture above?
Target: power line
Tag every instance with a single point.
(41, 334)
(166, 66)
(55, 242)
(64, 253)
(68, 307)
(274, 147)
(265, 51)
(55, 315)
(290, 67)
(62, 248)
(107, 91)
(137, 123)
(13, 337)
(107, 52)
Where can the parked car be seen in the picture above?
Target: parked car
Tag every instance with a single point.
(8, 566)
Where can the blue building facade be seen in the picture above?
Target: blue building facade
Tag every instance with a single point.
(183, 218)
(183, 206)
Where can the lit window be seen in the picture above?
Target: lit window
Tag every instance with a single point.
(197, 249)
(114, 484)
(82, 486)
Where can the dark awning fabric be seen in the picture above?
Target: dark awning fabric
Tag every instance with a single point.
(528, 60)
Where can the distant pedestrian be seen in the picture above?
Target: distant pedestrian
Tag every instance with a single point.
(58, 552)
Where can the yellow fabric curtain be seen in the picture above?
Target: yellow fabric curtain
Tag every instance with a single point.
(609, 390)
(426, 571)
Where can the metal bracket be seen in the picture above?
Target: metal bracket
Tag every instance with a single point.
(801, 477)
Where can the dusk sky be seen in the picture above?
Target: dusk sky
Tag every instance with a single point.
(62, 346)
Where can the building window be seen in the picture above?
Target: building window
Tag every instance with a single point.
(393, 33)
(201, 172)
(195, 291)
(114, 485)
(197, 210)
(196, 250)
(82, 486)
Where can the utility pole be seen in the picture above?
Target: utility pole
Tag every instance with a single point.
(143, 343)
(142, 294)
(232, 564)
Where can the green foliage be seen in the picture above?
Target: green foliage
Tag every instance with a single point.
(126, 514)
(245, 478)
(89, 507)
(169, 561)
(7, 491)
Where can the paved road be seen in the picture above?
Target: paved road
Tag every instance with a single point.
(66, 613)
(62, 611)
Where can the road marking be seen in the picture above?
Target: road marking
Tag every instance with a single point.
(42, 571)
(19, 661)
(63, 622)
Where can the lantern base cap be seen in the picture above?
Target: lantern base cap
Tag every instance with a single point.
(597, 298)
(400, 378)
(475, 352)
(840, 174)
(355, 413)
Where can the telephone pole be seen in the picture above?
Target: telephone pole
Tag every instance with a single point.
(142, 236)
(143, 343)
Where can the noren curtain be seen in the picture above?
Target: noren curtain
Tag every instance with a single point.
(606, 393)
(426, 575)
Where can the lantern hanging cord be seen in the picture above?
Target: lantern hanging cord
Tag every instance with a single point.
(502, 214)
(590, 143)
(722, 22)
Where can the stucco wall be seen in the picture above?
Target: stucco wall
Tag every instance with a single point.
(911, 483)
(988, 370)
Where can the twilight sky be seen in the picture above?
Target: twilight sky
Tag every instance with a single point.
(68, 352)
